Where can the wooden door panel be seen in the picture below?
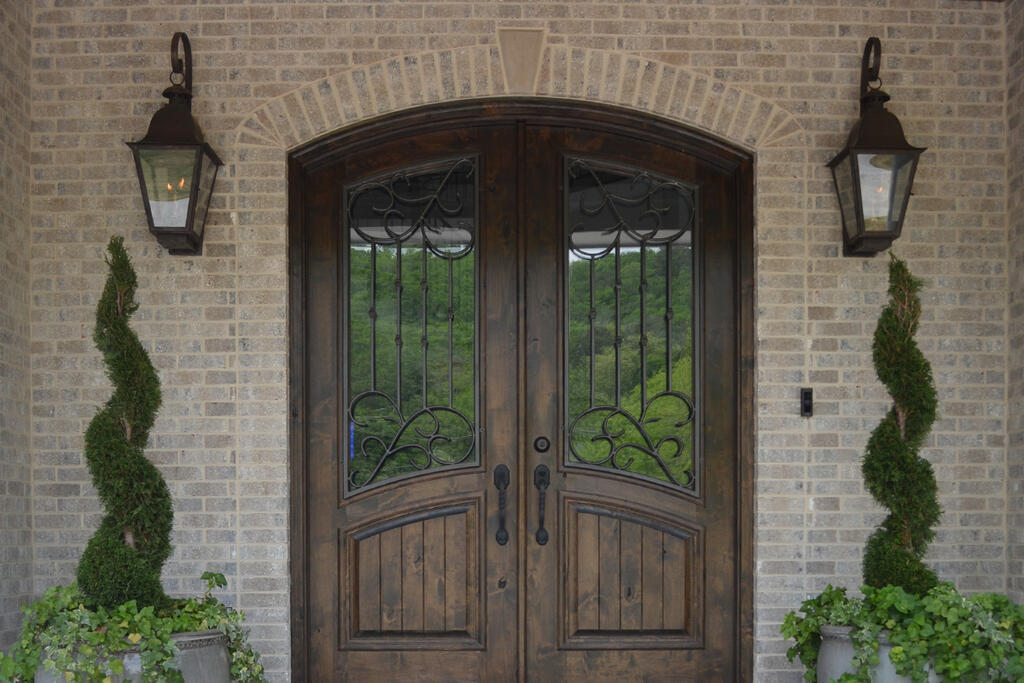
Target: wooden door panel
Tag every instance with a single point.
(403, 513)
(415, 580)
(633, 577)
(398, 570)
(647, 558)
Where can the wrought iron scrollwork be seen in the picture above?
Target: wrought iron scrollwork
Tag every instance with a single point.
(623, 437)
(409, 205)
(631, 234)
(426, 439)
(410, 237)
(638, 214)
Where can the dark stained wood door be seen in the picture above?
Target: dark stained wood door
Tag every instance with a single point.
(500, 312)
(632, 297)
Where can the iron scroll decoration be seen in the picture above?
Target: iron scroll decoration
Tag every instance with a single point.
(433, 208)
(621, 209)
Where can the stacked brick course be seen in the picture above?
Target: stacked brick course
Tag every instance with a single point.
(15, 462)
(1015, 202)
(778, 79)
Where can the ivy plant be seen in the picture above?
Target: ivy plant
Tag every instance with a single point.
(118, 602)
(81, 643)
(960, 638)
(929, 624)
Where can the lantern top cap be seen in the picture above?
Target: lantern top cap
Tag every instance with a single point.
(173, 123)
(877, 129)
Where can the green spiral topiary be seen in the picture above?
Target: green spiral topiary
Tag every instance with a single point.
(895, 474)
(124, 557)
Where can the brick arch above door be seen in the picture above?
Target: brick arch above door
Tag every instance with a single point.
(626, 80)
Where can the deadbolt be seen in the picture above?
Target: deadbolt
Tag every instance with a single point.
(541, 444)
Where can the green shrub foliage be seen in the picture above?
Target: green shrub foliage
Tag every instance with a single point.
(894, 473)
(124, 557)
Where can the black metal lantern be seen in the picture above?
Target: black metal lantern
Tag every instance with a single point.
(176, 167)
(875, 172)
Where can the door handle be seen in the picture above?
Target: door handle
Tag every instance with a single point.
(501, 479)
(541, 479)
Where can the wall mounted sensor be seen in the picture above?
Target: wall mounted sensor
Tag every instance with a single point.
(806, 402)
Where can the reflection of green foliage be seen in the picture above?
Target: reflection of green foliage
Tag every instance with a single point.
(663, 415)
(378, 417)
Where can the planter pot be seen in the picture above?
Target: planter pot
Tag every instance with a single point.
(836, 654)
(202, 658)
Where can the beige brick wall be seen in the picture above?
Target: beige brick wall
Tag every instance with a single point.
(779, 80)
(15, 461)
(1015, 201)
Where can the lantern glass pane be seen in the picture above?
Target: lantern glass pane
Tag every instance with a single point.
(876, 178)
(884, 185)
(167, 175)
(903, 173)
(206, 177)
(843, 175)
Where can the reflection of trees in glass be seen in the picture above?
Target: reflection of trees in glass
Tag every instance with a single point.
(411, 337)
(432, 437)
(615, 435)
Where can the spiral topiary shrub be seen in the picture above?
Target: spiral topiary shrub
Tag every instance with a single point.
(894, 472)
(124, 558)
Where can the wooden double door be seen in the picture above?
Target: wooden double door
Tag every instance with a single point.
(521, 392)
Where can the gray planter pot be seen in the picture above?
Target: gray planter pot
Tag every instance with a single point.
(836, 654)
(202, 658)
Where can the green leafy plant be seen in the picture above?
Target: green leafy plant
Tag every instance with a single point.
(928, 624)
(118, 603)
(123, 559)
(64, 635)
(975, 638)
(894, 472)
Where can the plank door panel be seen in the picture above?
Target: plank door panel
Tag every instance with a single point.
(641, 572)
(403, 592)
(645, 464)
(583, 230)
(409, 356)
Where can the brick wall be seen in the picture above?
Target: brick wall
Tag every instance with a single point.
(780, 80)
(15, 460)
(1015, 200)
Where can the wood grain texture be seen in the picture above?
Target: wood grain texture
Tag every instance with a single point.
(618, 594)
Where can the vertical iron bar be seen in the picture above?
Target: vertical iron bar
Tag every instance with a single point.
(398, 326)
(373, 317)
(618, 326)
(669, 315)
(643, 324)
(593, 316)
(451, 333)
(423, 316)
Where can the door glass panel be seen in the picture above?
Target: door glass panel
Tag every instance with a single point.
(630, 308)
(411, 401)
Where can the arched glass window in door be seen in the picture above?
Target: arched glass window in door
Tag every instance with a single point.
(411, 312)
(631, 318)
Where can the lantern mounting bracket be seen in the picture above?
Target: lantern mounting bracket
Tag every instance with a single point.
(176, 166)
(181, 66)
(874, 172)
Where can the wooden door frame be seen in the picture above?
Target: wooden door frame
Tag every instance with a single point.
(327, 151)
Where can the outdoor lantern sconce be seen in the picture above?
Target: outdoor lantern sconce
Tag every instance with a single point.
(875, 171)
(176, 167)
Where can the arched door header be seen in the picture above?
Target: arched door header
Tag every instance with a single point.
(681, 95)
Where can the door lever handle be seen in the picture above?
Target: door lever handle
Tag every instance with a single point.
(501, 479)
(541, 479)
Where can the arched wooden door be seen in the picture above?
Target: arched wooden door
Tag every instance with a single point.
(521, 355)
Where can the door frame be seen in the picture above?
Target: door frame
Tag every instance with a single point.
(331, 149)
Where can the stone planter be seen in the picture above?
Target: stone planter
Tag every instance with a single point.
(836, 654)
(202, 658)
